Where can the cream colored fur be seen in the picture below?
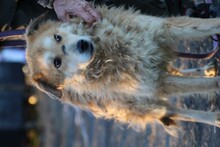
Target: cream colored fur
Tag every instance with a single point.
(126, 78)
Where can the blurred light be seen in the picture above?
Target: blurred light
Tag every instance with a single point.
(25, 69)
(210, 73)
(32, 100)
(12, 55)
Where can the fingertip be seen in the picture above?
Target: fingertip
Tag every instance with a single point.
(64, 18)
(96, 14)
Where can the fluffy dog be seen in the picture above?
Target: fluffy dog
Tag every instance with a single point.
(117, 68)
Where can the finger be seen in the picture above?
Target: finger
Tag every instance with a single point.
(86, 16)
(63, 16)
(84, 10)
(61, 13)
(92, 11)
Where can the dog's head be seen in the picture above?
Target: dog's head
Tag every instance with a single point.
(55, 51)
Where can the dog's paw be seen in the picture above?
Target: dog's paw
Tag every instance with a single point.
(208, 70)
(217, 121)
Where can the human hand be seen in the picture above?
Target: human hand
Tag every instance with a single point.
(81, 8)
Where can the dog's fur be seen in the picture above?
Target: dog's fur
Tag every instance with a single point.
(125, 77)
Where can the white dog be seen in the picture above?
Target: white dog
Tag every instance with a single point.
(117, 68)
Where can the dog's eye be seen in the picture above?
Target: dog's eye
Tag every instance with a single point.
(57, 62)
(58, 38)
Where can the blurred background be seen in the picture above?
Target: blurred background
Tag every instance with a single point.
(29, 118)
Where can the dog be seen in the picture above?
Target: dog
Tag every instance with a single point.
(118, 67)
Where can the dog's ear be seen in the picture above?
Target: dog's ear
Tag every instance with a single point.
(34, 24)
(51, 90)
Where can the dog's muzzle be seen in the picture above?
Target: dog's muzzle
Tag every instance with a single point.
(85, 46)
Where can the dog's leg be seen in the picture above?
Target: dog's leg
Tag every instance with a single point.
(189, 28)
(207, 70)
(212, 118)
(175, 85)
(168, 115)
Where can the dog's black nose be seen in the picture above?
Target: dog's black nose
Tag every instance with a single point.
(84, 45)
